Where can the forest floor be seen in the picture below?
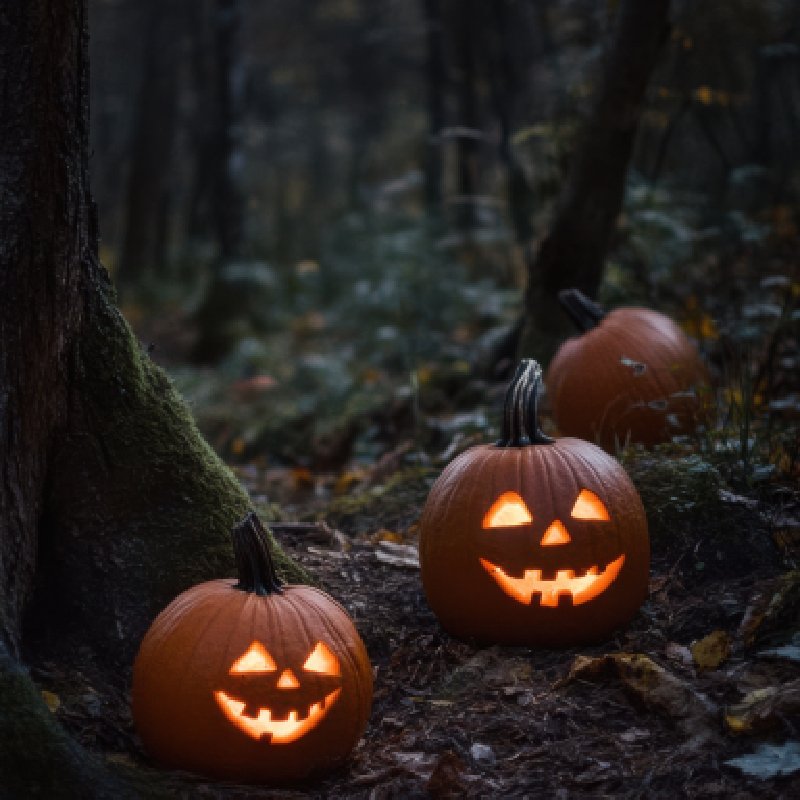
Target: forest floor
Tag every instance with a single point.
(694, 681)
(339, 457)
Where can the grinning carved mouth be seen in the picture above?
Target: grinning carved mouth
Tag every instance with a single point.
(281, 731)
(581, 589)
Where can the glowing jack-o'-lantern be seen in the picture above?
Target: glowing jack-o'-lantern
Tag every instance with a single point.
(249, 702)
(252, 681)
(632, 376)
(533, 540)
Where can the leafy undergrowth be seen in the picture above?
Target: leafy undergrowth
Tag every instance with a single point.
(338, 423)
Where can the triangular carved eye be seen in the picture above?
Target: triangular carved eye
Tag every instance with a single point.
(256, 659)
(589, 506)
(509, 510)
(322, 660)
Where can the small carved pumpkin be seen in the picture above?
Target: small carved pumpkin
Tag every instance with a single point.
(632, 376)
(533, 540)
(252, 681)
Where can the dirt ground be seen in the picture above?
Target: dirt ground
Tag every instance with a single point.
(634, 717)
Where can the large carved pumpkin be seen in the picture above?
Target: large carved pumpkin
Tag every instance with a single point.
(252, 681)
(533, 540)
(632, 376)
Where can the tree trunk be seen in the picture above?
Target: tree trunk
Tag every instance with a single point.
(110, 500)
(465, 13)
(434, 73)
(506, 88)
(229, 298)
(149, 170)
(574, 250)
(199, 213)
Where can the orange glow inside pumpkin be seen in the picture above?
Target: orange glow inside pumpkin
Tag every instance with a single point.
(589, 506)
(258, 661)
(556, 533)
(509, 510)
(581, 589)
(288, 680)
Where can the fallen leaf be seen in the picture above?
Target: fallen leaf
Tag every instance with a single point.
(710, 651)
(51, 700)
(302, 478)
(764, 709)
(386, 535)
(249, 388)
(769, 761)
(772, 609)
(657, 688)
(347, 480)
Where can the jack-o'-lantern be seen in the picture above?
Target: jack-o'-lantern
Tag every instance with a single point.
(252, 681)
(533, 540)
(631, 376)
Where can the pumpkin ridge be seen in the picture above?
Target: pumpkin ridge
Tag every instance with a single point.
(608, 491)
(335, 634)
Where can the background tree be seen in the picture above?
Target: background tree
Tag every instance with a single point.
(574, 249)
(111, 501)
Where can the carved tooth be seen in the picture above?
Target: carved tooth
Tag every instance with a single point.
(592, 571)
(292, 716)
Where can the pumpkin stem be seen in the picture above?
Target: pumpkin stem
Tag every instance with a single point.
(584, 312)
(521, 411)
(253, 558)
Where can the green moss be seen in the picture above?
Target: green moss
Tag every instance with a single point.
(39, 760)
(140, 507)
(677, 490)
(392, 505)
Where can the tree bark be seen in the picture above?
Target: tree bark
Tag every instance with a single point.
(110, 500)
(148, 187)
(506, 88)
(573, 251)
(435, 77)
(229, 299)
(465, 44)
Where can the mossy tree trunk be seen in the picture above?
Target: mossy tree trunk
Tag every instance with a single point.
(574, 250)
(110, 500)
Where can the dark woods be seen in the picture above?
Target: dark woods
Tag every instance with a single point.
(334, 227)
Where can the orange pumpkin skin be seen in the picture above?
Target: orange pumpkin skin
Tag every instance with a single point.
(186, 659)
(635, 377)
(459, 555)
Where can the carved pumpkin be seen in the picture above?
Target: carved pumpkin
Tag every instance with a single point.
(632, 375)
(533, 540)
(252, 681)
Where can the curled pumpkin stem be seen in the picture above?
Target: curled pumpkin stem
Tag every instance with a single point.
(254, 562)
(521, 411)
(584, 312)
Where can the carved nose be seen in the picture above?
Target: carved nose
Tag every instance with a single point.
(556, 533)
(288, 680)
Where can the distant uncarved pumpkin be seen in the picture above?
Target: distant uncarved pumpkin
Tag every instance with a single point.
(252, 681)
(532, 540)
(632, 376)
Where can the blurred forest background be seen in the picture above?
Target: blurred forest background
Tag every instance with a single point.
(321, 215)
